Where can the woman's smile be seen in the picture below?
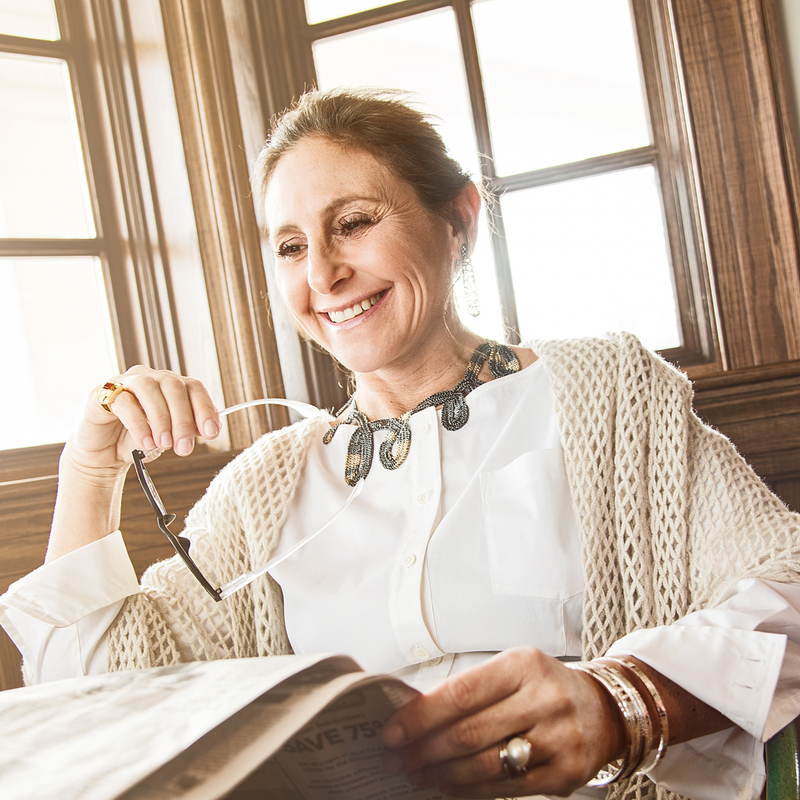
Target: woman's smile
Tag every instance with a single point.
(358, 309)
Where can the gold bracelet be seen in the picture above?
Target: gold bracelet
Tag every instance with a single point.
(634, 712)
(641, 718)
(663, 742)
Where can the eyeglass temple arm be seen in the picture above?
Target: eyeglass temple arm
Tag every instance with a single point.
(226, 590)
(182, 550)
(305, 409)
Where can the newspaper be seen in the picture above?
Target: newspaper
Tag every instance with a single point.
(288, 727)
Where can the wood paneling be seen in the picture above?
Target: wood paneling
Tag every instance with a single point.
(731, 89)
(762, 417)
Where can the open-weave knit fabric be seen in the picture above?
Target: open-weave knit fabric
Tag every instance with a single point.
(234, 528)
(670, 516)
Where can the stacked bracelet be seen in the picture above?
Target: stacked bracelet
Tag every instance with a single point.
(663, 741)
(642, 740)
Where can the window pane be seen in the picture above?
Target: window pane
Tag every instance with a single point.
(590, 256)
(320, 10)
(35, 19)
(422, 55)
(43, 190)
(56, 342)
(561, 80)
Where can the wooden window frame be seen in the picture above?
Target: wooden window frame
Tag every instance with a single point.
(723, 148)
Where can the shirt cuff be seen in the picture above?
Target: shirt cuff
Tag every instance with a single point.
(733, 671)
(68, 589)
(723, 765)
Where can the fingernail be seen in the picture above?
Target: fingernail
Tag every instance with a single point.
(148, 444)
(393, 735)
(166, 440)
(392, 763)
(210, 429)
(183, 446)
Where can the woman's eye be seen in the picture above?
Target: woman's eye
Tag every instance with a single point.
(351, 225)
(288, 249)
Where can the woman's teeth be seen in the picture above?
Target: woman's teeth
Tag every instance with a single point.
(354, 311)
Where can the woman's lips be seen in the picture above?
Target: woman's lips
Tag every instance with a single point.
(356, 310)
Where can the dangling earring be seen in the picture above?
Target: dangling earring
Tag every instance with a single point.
(468, 278)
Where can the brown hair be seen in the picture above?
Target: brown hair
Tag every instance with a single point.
(377, 121)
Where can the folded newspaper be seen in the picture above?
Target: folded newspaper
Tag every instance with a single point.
(281, 728)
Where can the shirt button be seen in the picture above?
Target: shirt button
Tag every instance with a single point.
(421, 498)
(409, 560)
(424, 428)
(434, 662)
(421, 653)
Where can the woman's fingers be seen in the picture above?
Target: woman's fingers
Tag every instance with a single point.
(452, 736)
(455, 699)
(162, 410)
(206, 415)
(157, 410)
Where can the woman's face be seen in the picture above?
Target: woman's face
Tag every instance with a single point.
(365, 270)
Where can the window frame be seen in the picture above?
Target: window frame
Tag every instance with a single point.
(251, 59)
(127, 262)
(670, 155)
(709, 198)
(98, 46)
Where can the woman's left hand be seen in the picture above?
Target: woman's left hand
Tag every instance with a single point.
(451, 737)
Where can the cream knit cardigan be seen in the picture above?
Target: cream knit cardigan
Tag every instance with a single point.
(670, 516)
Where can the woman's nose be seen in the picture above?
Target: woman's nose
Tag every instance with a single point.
(326, 268)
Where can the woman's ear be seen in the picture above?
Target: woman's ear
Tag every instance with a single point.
(466, 208)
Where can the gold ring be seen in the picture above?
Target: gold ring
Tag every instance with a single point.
(108, 393)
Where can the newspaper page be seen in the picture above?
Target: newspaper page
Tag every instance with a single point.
(94, 738)
(328, 746)
(337, 756)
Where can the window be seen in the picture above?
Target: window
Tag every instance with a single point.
(54, 268)
(107, 251)
(560, 109)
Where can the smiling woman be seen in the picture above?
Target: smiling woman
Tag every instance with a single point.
(540, 504)
(345, 229)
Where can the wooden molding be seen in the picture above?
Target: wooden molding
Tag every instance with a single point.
(762, 417)
(747, 194)
(229, 241)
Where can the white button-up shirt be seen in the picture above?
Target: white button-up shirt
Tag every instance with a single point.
(469, 547)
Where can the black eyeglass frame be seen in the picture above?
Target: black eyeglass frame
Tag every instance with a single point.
(164, 520)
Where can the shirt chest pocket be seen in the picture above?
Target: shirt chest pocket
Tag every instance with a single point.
(531, 531)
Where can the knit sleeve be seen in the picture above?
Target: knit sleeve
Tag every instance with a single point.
(234, 528)
(670, 514)
(739, 528)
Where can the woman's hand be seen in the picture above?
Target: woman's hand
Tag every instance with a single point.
(451, 737)
(158, 410)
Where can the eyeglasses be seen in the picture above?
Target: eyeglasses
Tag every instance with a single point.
(181, 544)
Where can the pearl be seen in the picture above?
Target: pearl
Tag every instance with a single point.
(518, 752)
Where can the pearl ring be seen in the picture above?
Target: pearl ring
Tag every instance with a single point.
(514, 755)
